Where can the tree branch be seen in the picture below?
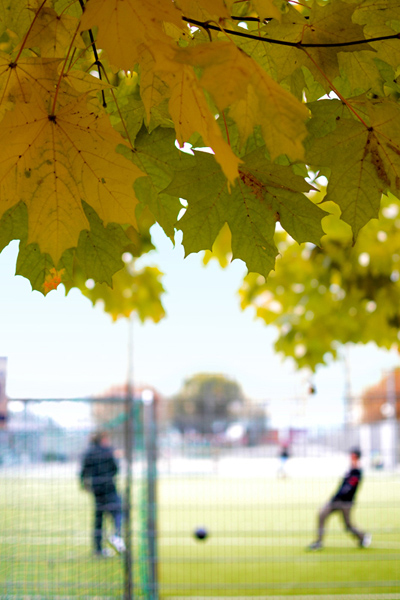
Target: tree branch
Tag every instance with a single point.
(207, 26)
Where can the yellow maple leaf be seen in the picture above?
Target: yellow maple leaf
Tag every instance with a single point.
(153, 88)
(267, 9)
(205, 10)
(53, 161)
(236, 81)
(52, 33)
(123, 25)
(19, 79)
(190, 113)
(161, 76)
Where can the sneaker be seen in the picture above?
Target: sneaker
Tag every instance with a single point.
(366, 541)
(105, 553)
(315, 546)
(117, 543)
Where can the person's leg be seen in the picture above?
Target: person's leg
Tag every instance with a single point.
(116, 513)
(98, 527)
(346, 511)
(114, 507)
(324, 513)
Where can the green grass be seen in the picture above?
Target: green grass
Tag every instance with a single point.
(258, 531)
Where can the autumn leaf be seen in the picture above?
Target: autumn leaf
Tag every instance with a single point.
(100, 248)
(138, 291)
(91, 158)
(264, 194)
(361, 71)
(17, 15)
(221, 249)
(205, 11)
(285, 190)
(253, 97)
(52, 33)
(13, 225)
(36, 266)
(115, 20)
(338, 296)
(52, 280)
(190, 112)
(24, 78)
(160, 159)
(53, 161)
(329, 23)
(364, 159)
(267, 9)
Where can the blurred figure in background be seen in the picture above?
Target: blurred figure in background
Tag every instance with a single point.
(97, 475)
(343, 501)
(284, 456)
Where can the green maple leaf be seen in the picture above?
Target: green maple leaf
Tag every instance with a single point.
(97, 256)
(37, 266)
(327, 24)
(100, 248)
(157, 155)
(285, 191)
(13, 225)
(361, 72)
(265, 194)
(364, 159)
(353, 183)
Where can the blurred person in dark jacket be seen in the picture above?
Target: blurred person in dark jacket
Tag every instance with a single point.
(97, 475)
(343, 502)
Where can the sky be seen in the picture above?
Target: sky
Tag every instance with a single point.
(62, 347)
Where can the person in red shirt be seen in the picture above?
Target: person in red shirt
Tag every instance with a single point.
(343, 502)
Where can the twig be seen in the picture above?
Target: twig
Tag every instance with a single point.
(207, 25)
(97, 61)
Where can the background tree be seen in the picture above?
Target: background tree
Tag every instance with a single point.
(207, 403)
(322, 297)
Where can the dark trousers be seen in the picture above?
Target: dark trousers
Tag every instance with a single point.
(111, 504)
(344, 508)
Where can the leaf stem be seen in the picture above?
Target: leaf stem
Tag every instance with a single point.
(29, 30)
(226, 129)
(53, 106)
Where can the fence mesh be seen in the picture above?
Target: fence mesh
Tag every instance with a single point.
(255, 512)
(47, 519)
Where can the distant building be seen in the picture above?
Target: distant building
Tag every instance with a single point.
(380, 417)
(382, 400)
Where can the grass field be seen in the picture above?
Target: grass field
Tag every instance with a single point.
(258, 531)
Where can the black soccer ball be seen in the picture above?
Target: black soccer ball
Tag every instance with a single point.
(200, 533)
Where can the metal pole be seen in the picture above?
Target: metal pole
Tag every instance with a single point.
(348, 397)
(151, 457)
(128, 434)
(391, 399)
